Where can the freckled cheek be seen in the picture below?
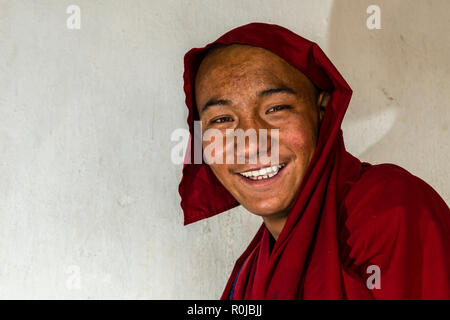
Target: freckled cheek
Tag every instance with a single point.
(218, 151)
(223, 174)
(297, 139)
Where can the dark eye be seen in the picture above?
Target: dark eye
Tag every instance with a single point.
(222, 120)
(278, 108)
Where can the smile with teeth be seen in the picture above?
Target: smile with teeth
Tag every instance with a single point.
(263, 173)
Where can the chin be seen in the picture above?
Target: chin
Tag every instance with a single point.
(267, 208)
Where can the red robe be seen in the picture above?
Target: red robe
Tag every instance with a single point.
(356, 231)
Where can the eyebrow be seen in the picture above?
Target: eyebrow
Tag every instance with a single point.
(264, 93)
(281, 89)
(215, 102)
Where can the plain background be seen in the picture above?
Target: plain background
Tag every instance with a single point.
(89, 206)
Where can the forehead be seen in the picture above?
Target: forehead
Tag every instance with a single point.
(239, 67)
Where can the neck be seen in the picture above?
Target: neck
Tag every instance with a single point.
(275, 224)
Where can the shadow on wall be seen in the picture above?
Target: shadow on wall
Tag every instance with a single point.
(400, 110)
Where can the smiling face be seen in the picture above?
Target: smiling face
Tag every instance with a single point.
(245, 87)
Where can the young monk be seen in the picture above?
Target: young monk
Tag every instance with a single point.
(333, 227)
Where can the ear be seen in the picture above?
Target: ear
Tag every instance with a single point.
(322, 102)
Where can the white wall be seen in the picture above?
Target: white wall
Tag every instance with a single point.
(87, 188)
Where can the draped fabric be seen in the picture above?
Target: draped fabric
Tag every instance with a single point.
(349, 218)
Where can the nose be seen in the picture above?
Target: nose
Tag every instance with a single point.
(250, 142)
(247, 150)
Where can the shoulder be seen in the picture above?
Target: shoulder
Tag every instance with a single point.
(389, 207)
(387, 186)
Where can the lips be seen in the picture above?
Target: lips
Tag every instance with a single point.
(262, 173)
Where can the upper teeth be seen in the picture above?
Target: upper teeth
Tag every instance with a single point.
(263, 173)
